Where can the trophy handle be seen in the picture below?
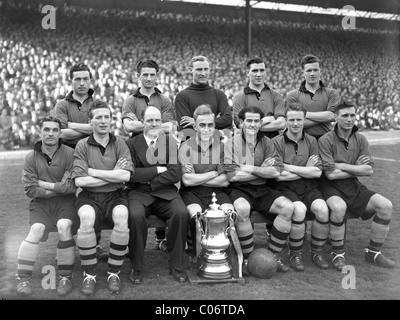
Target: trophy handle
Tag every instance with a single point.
(236, 244)
(199, 235)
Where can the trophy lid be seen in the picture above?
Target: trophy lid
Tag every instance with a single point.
(214, 210)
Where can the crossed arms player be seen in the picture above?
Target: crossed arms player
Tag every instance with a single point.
(201, 158)
(102, 164)
(345, 156)
(47, 180)
(299, 182)
(255, 166)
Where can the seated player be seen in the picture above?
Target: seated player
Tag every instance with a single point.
(47, 180)
(299, 182)
(345, 156)
(255, 166)
(201, 158)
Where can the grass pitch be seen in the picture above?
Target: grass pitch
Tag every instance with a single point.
(371, 282)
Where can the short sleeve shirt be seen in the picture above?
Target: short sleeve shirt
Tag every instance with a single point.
(296, 153)
(324, 99)
(90, 154)
(333, 148)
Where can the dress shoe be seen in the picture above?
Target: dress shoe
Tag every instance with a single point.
(180, 276)
(281, 266)
(114, 282)
(378, 258)
(88, 284)
(194, 262)
(319, 260)
(162, 245)
(64, 286)
(296, 262)
(338, 261)
(136, 276)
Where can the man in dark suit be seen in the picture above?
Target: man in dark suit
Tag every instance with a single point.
(152, 190)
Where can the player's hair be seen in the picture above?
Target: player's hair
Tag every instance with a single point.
(79, 67)
(197, 58)
(254, 60)
(202, 110)
(98, 104)
(345, 104)
(309, 58)
(295, 106)
(49, 119)
(250, 109)
(147, 63)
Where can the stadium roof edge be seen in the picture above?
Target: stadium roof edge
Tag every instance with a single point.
(381, 6)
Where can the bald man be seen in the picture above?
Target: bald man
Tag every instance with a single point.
(152, 190)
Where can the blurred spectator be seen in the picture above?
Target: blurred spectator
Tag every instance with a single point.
(363, 64)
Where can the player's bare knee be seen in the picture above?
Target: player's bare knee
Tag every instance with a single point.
(299, 212)
(64, 227)
(120, 217)
(36, 232)
(243, 209)
(286, 209)
(338, 209)
(87, 218)
(385, 209)
(321, 211)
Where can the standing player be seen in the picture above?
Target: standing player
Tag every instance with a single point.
(200, 92)
(318, 100)
(144, 96)
(298, 182)
(73, 112)
(133, 113)
(256, 164)
(258, 93)
(345, 157)
(102, 164)
(47, 180)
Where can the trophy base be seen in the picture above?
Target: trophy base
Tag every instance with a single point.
(194, 278)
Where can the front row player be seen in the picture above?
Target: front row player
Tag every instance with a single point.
(201, 158)
(47, 180)
(255, 166)
(102, 163)
(298, 182)
(345, 157)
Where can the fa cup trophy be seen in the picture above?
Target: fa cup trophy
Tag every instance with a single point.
(214, 227)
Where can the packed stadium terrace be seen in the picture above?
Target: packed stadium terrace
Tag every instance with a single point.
(363, 65)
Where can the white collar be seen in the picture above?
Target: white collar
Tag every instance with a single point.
(148, 140)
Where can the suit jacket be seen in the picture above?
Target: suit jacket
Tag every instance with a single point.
(146, 185)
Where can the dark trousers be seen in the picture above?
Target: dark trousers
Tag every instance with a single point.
(175, 213)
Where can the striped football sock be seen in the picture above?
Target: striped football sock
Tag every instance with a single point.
(337, 231)
(65, 257)
(279, 233)
(296, 236)
(86, 242)
(245, 234)
(379, 231)
(27, 255)
(118, 243)
(319, 235)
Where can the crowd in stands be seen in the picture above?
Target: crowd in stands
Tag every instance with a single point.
(34, 63)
